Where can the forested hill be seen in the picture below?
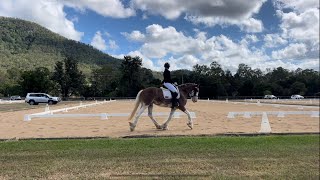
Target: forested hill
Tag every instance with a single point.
(26, 45)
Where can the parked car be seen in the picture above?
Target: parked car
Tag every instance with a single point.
(297, 96)
(36, 98)
(270, 97)
(15, 98)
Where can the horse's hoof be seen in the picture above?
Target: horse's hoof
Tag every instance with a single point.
(190, 125)
(164, 127)
(158, 127)
(131, 126)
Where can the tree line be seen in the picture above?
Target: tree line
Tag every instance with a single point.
(67, 80)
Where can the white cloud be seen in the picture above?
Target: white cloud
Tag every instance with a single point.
(98, 41)
(274, 40)
(208, 12)
(113, 45)
(293, 51)
(49, 14)
(109, 8)
(299, 24)
(134, 36)
(167, 44)
(304, 26)
(297, 5)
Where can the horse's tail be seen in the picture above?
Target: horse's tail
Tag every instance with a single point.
(137, 102)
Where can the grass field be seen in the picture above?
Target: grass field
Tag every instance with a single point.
(266, 157)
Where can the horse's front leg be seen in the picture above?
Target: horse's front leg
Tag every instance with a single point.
(165, 125)
(155, 122)
(190, 122)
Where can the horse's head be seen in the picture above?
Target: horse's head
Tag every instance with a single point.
(192, 89)
(194, 93)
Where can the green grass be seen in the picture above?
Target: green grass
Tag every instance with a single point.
(264, 157)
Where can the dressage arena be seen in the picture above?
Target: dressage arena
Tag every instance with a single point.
(212, 118)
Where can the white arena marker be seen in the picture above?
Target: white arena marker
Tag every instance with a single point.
(27, 118)
(230, 115)
(47, 109)
(300, 107)
(265, 125)
(280, 114)
(104, 116)
(246, 115)
(315, 114)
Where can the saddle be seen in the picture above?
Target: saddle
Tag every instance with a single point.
(167, 94)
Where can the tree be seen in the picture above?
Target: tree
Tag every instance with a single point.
(37, 80)
(298, 88)
(69, 77)
(104, 81)
(130, 81)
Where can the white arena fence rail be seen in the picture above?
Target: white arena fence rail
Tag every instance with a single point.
(10, 101)
(47, 111)
(103, 116)
(265, 125)
(262, 104)
(246, 114)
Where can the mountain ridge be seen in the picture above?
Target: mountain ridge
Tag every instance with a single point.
(26, 45)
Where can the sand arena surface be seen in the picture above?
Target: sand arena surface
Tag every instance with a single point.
(211, 119)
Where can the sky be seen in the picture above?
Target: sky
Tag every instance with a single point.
(262, 34)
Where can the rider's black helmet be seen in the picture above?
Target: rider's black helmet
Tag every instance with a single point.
(166, 65)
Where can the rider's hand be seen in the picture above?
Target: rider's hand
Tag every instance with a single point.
(175, 83)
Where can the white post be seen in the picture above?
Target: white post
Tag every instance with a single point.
(315, 114)
(27, 117)
(281, 114)
(246, 115)
(104, 116)
(47, 109)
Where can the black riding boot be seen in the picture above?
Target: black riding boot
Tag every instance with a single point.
(174, 99)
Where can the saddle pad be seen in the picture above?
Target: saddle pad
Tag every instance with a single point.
(167, 93)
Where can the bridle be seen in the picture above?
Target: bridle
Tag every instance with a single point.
(194, 93)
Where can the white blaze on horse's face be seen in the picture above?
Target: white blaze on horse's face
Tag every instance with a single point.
(195, 94)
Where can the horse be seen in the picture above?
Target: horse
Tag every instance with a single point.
(152, 95)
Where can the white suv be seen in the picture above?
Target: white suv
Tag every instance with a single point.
(270, 97)
(297, 96)
(36, 98)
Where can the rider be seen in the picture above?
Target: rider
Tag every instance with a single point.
(167, 82)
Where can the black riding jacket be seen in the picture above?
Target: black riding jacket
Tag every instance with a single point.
(167, 77)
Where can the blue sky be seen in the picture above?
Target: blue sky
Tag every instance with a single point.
(262, 34)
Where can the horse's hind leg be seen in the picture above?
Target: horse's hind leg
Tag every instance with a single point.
(151, 117)
(135, 121)
(165, 125)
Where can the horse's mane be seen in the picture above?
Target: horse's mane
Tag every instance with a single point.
(187, 85)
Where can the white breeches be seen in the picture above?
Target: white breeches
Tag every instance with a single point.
(170, 87)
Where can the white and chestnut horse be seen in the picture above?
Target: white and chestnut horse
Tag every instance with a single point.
(149, 96)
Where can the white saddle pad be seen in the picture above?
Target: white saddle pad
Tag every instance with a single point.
(167, 93)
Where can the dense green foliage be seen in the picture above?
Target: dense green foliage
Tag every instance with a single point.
(33, 58)
(215, 82)
(69, 78)
(262, 157)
